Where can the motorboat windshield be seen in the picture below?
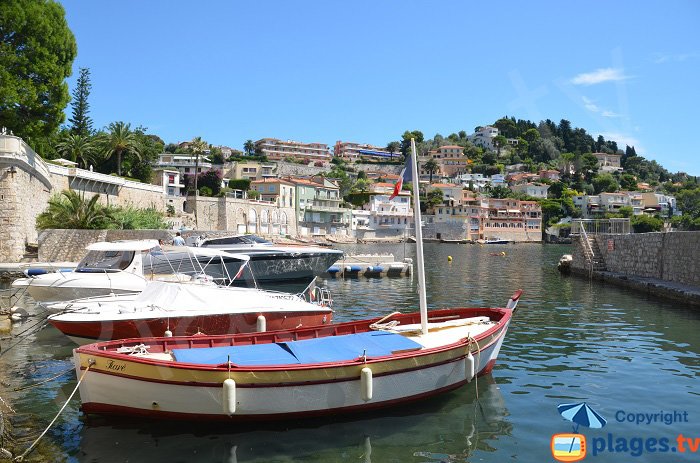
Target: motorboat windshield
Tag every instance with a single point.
(105, 261)
(237, 239)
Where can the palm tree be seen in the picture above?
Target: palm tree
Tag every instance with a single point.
(432, 167)
(120, 141)
(71, 210)
(77, 148)
(249, 147)
(198, 147)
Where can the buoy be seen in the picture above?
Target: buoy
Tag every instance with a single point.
(469, 366)
(261, 324)
(18, 313)
(366, 384)
(229, 400)
(449, 258)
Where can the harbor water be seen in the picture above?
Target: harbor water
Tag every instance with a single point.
(632, 358)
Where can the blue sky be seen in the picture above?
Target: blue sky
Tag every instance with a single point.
(366, 71)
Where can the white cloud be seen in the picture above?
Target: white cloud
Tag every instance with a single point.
(594, 108)
(599, 76)
(660, 58)
(624, 139)
(590, 105)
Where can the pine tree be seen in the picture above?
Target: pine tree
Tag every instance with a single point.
(81, 124)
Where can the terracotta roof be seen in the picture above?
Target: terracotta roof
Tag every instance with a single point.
(271, 180)
(451, 146)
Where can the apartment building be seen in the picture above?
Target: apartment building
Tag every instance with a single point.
(278, 150)
(536, 190)
(251, 170)
(276, 190)
(352, 151)
(318, 207)
(170, 180)
(608, 162)
(185, 164)
(389, 215)
(494, 218)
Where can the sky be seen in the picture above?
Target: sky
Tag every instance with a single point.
(366, 71)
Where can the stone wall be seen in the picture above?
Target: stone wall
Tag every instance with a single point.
(27, 183)
(666, 256)
(242, 216)
(69, 245)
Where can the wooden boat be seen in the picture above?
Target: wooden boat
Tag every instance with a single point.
(347, 367)
(299, 373)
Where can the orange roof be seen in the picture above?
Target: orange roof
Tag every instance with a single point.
(444, 185)
(451, 146)
(271, 180)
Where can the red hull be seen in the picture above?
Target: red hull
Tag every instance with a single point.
(187, 326)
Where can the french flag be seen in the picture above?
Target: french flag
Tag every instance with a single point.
(240, 271)
(405, 176)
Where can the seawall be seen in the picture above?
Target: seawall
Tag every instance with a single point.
(664, 264)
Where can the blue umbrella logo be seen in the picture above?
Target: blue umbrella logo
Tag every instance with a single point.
(581, 415)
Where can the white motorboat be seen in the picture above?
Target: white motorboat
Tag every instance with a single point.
(198, 306)
(108, 267)
(272, 262)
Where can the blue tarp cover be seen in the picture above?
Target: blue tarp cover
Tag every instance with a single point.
(328, 349)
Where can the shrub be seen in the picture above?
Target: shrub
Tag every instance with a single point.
(646, 224)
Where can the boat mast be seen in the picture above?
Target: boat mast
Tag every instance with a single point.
(420, 267)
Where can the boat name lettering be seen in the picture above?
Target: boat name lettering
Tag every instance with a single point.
(116, 366)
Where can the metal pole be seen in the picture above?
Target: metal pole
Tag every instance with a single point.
(420, 267)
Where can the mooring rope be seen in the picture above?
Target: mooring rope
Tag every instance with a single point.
(91, 362)
(29, 386)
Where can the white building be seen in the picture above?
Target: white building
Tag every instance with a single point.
(484, 137)
(536, 190)
(389, 214)
(276, 149)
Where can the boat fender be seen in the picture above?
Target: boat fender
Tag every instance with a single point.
(449, 258)
(333, 269)
(469, 366)
(261, 324)
(229, 402)
(168, 334)
(30, 272)
(366, 384)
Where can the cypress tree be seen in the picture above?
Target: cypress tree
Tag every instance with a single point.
(81, 124)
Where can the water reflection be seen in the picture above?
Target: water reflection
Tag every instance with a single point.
(571, 341)
(456, 426)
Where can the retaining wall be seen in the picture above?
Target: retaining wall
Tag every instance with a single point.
(671, 256)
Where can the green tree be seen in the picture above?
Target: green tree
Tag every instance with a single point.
(71, 210)
(118, 141)
(432, 167)
(605, 183)
(36, 55)
(239, 184)
(406, 140)
(552, 211)
(646, 224)
(688, 201)
(249, 147)
(79, 148)
(393, 147)
(500, 141)
(81, 124)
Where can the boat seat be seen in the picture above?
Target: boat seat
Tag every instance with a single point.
(309, 351)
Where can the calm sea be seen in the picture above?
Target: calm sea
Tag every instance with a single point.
(621, 352)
